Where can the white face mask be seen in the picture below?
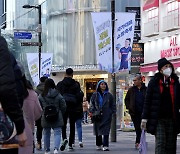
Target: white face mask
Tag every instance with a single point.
(167, 72)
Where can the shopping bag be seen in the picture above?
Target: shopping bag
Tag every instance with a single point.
(143, 143)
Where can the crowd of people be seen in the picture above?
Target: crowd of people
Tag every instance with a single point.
(154, 108)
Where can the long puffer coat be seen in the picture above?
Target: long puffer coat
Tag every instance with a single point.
(108, 108)
(153, 101)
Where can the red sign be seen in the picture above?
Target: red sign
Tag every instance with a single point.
(173, 51)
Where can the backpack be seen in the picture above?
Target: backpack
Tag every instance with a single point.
(51, 113)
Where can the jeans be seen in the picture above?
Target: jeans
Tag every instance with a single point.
(57, 138)
(105, 141)
(85, 118)
(79, 129)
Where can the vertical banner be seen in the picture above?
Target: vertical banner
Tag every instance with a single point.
(123, 39)
(33, 65)
(46, 64)
(103, 38)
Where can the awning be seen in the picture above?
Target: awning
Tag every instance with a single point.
(153, 67)
(164, 1)
(150, 4)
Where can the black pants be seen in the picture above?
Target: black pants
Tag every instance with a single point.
(105, 141)
(72, 127)
(137, 125)
(9, 151)
(39, 130)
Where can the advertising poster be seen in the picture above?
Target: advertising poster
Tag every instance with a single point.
(103, 38)
(123, 40)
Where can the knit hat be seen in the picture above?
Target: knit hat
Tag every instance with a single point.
(162, 62)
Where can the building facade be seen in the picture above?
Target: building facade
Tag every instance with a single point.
(160, 34)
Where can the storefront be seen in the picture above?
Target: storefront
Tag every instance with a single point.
(168, 47)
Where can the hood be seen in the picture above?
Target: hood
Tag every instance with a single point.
(52, 93)
(98, 86)
(68, 81)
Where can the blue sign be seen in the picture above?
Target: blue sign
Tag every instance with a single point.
(22, 35)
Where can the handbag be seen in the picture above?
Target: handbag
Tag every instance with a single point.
(7, 127)
(97, 116)
(143, 143)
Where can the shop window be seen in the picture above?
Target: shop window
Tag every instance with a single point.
(153, 14)
(172, 8)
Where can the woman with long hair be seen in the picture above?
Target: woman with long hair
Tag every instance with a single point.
(51, 97)
(32, 111)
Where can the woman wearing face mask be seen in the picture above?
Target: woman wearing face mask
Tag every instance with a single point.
(161, 115)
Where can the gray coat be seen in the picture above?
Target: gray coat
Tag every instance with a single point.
(108, 108)
(53, 97)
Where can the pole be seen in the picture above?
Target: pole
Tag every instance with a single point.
(113, 81)
(39, 38)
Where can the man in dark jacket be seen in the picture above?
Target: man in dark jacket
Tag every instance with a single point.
(134, 101)
(70, 90)
(8, 95)
(162, 107)
(39, 90)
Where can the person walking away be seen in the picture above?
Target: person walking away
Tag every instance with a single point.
(9, 98)
(134, 102)
(79, 116)
(85, 110)
(70, 90)
(102, 106)
(32, 111)
(161, 115)
(39, 89)
(51, 100)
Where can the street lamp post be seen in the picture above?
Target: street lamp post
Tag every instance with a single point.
(113, 81)
(39, 29)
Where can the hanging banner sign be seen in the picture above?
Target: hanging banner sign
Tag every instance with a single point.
(46, 64)
(33, 65)
(123, 39)
(103, 38)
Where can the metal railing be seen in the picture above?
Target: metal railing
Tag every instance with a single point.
(171, 22)
(151, 28)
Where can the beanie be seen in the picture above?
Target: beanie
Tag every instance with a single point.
(162, 62)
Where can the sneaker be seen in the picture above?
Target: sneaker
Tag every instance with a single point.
(80, 144)
(98, 147)
(137, 146)
(55, 151)
(105, 149)
(70, 148)
(63, 146)
(38, 146)
(73, 145)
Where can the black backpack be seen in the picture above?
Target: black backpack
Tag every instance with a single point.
(51, 112)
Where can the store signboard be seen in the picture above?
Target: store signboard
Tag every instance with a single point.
(168, 47)
(137, 56)
(137, 30)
